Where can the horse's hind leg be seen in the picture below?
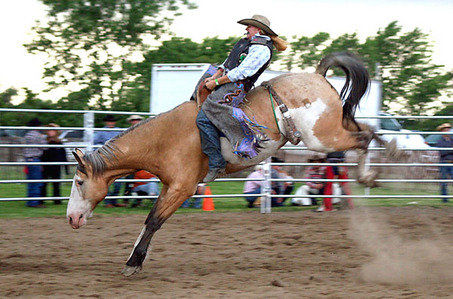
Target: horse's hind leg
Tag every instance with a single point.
(169, 201)
(350, 138)
(363, 138)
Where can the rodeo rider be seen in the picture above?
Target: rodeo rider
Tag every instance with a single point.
(219, 114)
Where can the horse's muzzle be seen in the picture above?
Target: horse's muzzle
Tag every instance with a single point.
(76, 220)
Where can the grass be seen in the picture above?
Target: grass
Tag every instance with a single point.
(17, 209)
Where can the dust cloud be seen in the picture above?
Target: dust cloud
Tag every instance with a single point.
(398, 258)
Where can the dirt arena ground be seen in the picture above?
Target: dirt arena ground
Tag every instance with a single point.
(373, 252)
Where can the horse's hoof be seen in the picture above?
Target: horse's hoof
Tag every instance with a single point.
(129, 271)
(369, 179)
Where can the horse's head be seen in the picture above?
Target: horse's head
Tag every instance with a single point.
(88, 189)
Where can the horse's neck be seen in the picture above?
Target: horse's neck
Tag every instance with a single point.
(147, 145)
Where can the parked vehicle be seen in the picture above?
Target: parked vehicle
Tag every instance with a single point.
(404, 141)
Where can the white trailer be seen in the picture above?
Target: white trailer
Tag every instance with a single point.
(173, 84)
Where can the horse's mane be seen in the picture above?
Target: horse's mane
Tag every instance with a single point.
(98, 159)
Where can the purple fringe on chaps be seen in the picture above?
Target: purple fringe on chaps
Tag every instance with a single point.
(221, 108)
(253, 135)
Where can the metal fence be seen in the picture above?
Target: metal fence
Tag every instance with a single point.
(88, 141)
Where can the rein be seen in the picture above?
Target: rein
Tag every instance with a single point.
(273, 110)
(292, 134)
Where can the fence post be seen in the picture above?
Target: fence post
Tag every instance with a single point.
(366, 168)
(267, 200)
(88, 123)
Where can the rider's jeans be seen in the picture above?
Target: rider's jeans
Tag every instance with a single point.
(210, 141)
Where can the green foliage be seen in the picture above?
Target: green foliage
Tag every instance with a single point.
(175, 50)
(31, 102)
(95, 44)
(6, 98)
(407, 73)
(17, 209)
(89, 41)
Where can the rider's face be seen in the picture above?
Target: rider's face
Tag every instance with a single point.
(251, 31)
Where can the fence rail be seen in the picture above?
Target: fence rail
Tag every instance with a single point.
(89, 131)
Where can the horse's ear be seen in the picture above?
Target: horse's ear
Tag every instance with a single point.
(78, 154)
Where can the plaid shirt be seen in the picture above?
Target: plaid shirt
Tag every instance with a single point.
(34, 137)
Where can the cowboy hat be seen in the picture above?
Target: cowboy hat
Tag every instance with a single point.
(34, 122)
(443, 126)
(134, 117)
(261, 22)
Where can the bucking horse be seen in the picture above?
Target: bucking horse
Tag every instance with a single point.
(168, 145)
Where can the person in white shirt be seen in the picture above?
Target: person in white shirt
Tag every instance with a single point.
(219, 114)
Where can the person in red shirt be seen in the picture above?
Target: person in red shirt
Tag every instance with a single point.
(335, 172)
(144, 188)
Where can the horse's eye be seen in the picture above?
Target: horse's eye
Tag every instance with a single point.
(80, 183)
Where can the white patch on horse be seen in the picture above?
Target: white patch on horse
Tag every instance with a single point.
(138, 240)
(76, 202)
(305, 119)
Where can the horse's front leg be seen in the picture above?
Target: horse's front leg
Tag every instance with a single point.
(169, 201)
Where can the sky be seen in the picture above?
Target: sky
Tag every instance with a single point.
(218, 18)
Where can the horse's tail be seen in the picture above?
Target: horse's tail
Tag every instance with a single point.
(357, 81)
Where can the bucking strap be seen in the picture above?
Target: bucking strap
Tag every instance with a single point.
(293, 135)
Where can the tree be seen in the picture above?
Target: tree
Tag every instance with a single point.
(6, 97)
(135, 94)
(89, 41)
(409, 77)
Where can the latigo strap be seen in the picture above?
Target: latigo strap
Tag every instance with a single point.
(293, 135)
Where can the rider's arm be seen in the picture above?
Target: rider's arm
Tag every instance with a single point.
(214, 81)
(257, 57)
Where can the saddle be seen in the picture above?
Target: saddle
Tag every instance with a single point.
(202, 94)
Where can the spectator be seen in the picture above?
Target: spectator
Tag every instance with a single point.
(195, 202)
(134, 119)
(340, 172)
(446, 156)
(100, 138)
(283, 188)
(277, 187)
(143, 188)
(254, 186)
(313, 187)
(53, 154)
(33, 154)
